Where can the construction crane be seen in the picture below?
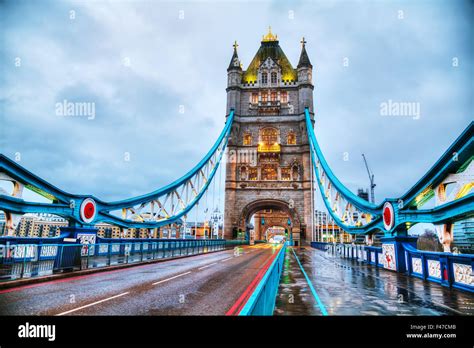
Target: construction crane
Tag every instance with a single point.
(372, 180)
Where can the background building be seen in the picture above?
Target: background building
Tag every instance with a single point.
(40, 225)
(463, 233)
(363, 194)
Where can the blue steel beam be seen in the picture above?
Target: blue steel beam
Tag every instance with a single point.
(19, 206)
(20, 174)
(460, 151)
(457, 155)
(67, 205)
(164, 190)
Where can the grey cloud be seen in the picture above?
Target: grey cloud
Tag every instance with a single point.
(183, 62)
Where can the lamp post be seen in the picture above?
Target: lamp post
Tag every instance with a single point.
(184, 227)
(216, 219)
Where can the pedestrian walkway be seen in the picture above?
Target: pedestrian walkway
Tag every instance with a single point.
(347, 287)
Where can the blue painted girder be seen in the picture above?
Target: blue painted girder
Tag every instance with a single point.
(67, 205)
(456, 210)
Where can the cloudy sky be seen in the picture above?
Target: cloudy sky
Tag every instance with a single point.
(139, 61)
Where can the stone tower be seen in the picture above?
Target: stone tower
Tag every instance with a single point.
(268, 163)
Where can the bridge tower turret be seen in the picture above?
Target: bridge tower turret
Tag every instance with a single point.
(305, 79)
(234, 79)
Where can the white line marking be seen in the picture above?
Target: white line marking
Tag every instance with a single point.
(165, 280)
(227, 259)
(208, 265)
(92, 304)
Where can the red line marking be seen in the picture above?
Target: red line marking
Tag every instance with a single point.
(242, 300)
(49, 282)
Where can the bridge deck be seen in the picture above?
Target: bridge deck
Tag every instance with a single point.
(346, 287)
(200, 285)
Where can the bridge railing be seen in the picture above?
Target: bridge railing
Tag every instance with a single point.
(447, 269)
(26, 260)
(455, 270)
(236, 242)
(262, 300)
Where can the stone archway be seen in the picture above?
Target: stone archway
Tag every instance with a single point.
(269, 204)
(270, 231)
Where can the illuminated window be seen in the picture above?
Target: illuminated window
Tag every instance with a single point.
(264, 78)
(285, 174)
(247, 139)
(264, 97)
(269, 136)
(273, 96)
(291, 139)
(270, 172)
(273, 77)
(284, 97)
(253, 174)
(254, 98)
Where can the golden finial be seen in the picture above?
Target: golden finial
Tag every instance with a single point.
(269, 36)
(303, 41)
(235, 45)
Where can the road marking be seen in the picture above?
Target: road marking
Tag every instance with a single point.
(176, 276)
(315, 295)
(227, 259)
(208, 265)
(242, 300)
(92, 304)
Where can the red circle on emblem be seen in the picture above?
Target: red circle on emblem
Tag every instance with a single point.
(89, 210)
(387, 216)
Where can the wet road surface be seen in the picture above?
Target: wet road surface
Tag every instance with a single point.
(200, 285)
(348, 287)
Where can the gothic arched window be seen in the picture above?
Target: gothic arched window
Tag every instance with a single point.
(269, 135)
(273, 96)
(247, 139)
(253, 174)
(273, 78)
(269, 172)
(254, 98)
(291, 138)
(285, 174)
(264, 78)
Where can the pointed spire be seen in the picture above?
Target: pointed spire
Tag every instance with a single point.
(235, 61)
(304, 59)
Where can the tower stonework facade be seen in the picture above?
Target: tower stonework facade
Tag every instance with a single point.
(268, 163)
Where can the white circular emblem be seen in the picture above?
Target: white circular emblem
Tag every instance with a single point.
(388, 216)
(88, 210)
